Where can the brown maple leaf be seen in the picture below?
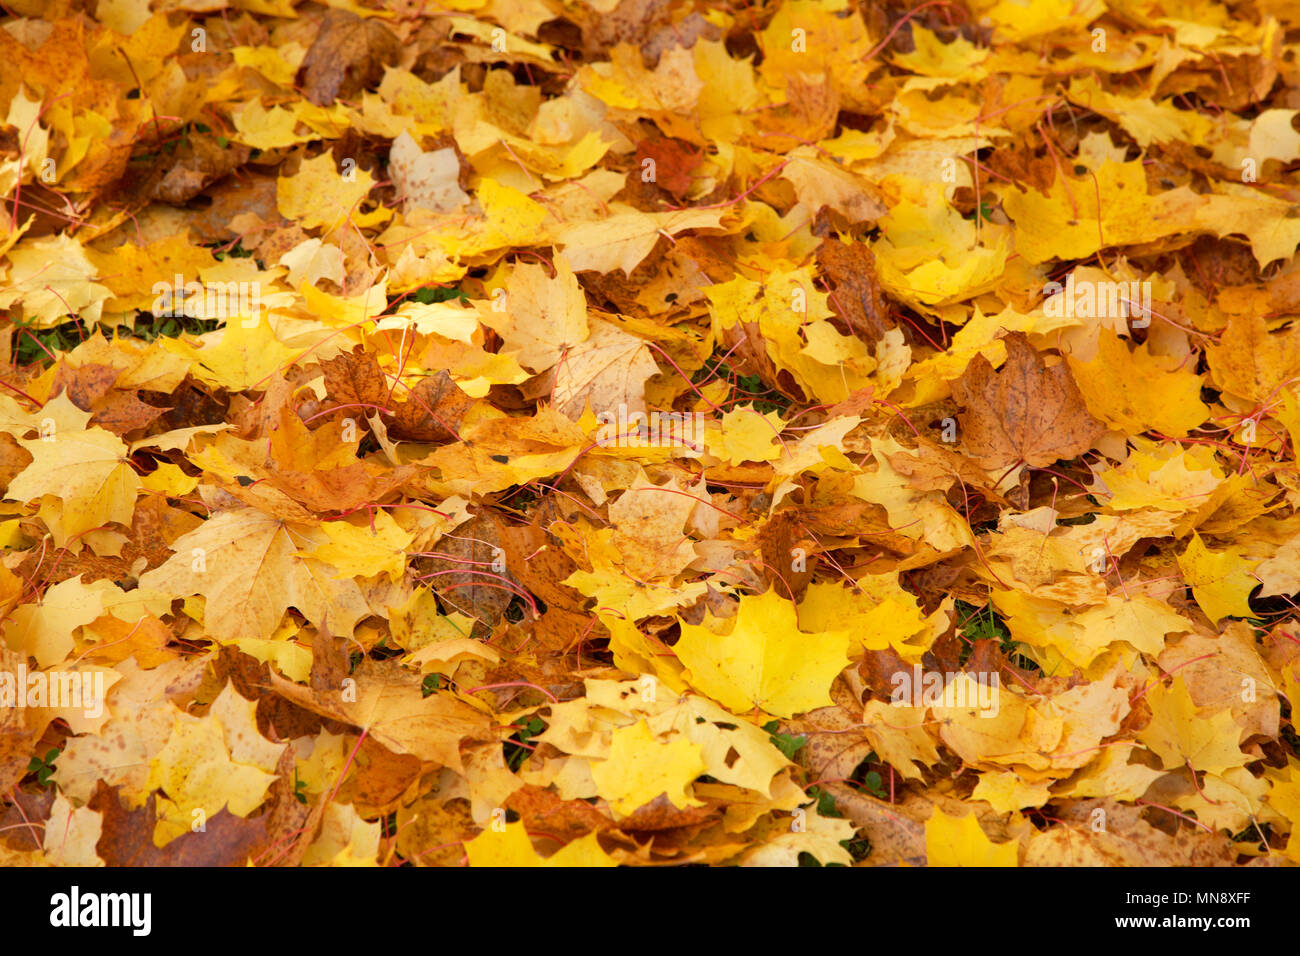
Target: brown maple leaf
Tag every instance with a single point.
(855, 292)
(348, 56)
(1024, 412)
(127, 836)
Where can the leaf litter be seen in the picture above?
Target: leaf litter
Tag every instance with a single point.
(621, 433)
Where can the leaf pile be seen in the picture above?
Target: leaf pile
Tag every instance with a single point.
(540, 432)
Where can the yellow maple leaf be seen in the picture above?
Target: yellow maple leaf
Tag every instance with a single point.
(72, 834)
(1064, 224)
(1253, 363)
(961, 841)
(640, 768)
(626, 236)
(900, 736)
(319, 196)
(132, 271)
(345, 839)
(823, 837)
(261, 128)
(1184, 736)
(547, 315)
(1284, 794)
(635, 653)
(879, 612)
(510, 847)
(46, 630)
(744, 434)
(361, 549)
(196, 771)
(1005, 792)
(87, 472)
(1163, 476)
(1133, 390)
(249, 567)
(53, 279)
(278, 64)
(763, 660)
(1220, 580)
(929, 255)
(247, 356)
